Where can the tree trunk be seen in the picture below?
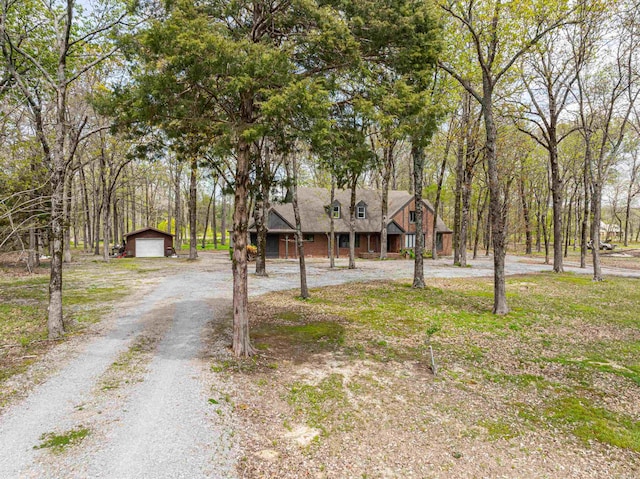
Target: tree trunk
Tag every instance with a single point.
(261, 234)
(627, 215)
(55, 324)
(304, 290)
(587, 206)
(386, 178)
(193, 197)
(87, 212)
(458, 193)
(68, 185)
(417, 154)
(436, 205)
(241, 341)
(538, 225)
(525, 214)
(569, 222)
(106, 225)
(223, 219)
(206, 218)
(480, 213)
(545, 232)
(596, 211)
(34, 258)
(115, 235)
(496, 206)
(214, 222)
(464, 215)
(259, 212)
(352, 224)
(332, 236)
(556, 193)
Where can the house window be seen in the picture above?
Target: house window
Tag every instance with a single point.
(344, 241)
(335, 211)
(361, 212)
(410, 240)
(308, 238)
(412, 216)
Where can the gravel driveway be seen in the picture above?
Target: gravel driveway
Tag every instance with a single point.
(169, 420)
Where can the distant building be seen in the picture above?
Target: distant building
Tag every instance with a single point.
(148, 243)
(316, 208)
(610, 231)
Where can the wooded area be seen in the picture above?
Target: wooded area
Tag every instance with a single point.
(518, 120)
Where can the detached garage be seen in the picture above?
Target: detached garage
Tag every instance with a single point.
(148, 243)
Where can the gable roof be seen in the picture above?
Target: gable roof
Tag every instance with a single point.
(141, 230)
(315, 218)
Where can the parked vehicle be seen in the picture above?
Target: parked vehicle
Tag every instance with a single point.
(603, 246)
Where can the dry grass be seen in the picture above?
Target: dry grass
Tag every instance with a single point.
(344, 387)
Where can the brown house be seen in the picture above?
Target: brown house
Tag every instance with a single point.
(315, 208)
(148, 243)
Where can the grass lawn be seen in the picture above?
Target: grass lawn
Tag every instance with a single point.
(553, 386)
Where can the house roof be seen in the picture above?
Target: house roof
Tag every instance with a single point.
(142, 230)
(314, 216)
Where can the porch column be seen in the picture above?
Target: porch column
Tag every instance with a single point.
(328, 243)
(337, 245)
(368, 242)
(286, 246)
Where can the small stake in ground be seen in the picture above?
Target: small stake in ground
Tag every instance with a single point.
(431, 330)
(433, 361)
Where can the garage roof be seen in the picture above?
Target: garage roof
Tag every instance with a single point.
(142, 230)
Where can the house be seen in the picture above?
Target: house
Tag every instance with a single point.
(148, 243)
(315, 208)
(610, 231)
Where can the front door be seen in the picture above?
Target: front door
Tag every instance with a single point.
(393, 243)
(273, 246)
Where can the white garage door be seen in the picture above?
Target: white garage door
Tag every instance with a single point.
(149, 247)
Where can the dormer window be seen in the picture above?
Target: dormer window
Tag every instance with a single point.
(335, 211)
(361, 210)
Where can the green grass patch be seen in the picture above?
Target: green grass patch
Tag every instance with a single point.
(499, 429)
(289, 316)
(58, 443)
(619, 358)
(321, 405)
(91, 294)
(318, 332)
(589, 422)
(29, 289)
(22, 324)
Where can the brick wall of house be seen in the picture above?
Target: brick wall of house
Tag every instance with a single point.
(402, 218)
(319, 247)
